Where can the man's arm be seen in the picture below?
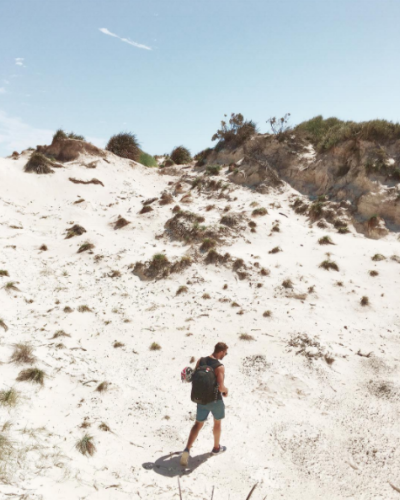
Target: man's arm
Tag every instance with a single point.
(220, 374)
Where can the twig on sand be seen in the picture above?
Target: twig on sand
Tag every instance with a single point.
(180, 491)
(394, 487)
(251, 492)
(212, 494)
(89, 381)
(359, 353)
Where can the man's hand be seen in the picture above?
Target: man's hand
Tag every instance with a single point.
(224, 391)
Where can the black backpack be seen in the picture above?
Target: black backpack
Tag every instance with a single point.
(204, 385)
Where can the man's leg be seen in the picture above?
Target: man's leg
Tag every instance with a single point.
(217, 433)
(194, 433)
(192, 438)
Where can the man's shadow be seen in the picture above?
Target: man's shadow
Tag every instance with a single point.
(169, 465)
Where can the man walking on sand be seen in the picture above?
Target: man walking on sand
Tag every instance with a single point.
(216, 407)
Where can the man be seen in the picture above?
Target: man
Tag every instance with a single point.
(217, 407)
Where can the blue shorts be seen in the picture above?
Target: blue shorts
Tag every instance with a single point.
(217, 408)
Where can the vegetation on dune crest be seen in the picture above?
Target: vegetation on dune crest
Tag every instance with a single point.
(125, 145)
(181, 155)
(329, 132)
(235, 132)
(39, 164)
(147, 160)
(61, 135)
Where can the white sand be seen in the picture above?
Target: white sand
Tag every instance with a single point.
(301, 428)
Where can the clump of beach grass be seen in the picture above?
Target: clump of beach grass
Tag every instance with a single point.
(85, 445)
(34, 375)
(155, 347)
(23, 353)
(9, 397)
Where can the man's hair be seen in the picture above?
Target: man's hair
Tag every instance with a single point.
(220, 347)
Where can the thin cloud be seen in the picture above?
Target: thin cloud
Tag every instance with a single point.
(105, 31)
(2, 90)
(19, 61)
(15, 135)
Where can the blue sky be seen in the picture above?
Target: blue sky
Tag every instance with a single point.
(175, 67)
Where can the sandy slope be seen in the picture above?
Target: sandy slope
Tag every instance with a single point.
(300, 427)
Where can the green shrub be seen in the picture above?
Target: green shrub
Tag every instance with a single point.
(235, 132)
(147, 160)
(39, 164)
(181, 155)
(213, 169)
(124, 145)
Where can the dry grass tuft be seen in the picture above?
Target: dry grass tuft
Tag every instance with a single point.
(114, 274)
(3, 325)
(225, 287)
(9, 397)
(364, 301)
(259, 211)
(118, 344)
(75, 230)
(92, 181)
(68, 309)
(182, 289)
(11, 286)
(85, 247)
(209, 207)
(265, 272)
(276, 228)
(287, 283)
(373, 273)
(43, 248)
(34, 375)
(166, 198)
(103, 387)
(104, 427)
(378, 257)
(207, 244)
(85, 445)
(84, 308)
(120, 223)
(246, 336)
(329, 264)
(3, 273)
(39, 164)
(176, 209)
(155, 347)
(60, 333)
(146, 209)
(343, 230)
(23, 353)
(275, 250)
(206, 296)
(267, 314)
(325, 240)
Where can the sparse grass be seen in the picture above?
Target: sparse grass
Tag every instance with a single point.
(325, 240)
(155, 347)
(373, 273)
(259, 211)
(6, 449)
(120, 223)
(34, 375)
(181, 155)
(378, 257)
(75, 230)
(364, 301)
(267, 314)
(235, 304)
(68, 309)
(213, 169)
(124, 145)
(182, 289)
(9, 397)
(207, 244)
(275, 250)
(206, 296)
(39, 164)
(329, 264)
(103, 426)
(11, 286)
(118, 344)
(3, 325)
(246, 336)
(86, 446)
(23, 353)
(84, 308)
(103, 387)
(114, 274)
(287, 283)
(343, 230)
(3, 272)
(60, 135)
(85, 247)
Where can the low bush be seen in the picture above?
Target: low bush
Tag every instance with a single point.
(181, 155)
(39, 164)
(147, 160)
(125, 145)
(234, 133)
(329, 264)
(60, 135)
